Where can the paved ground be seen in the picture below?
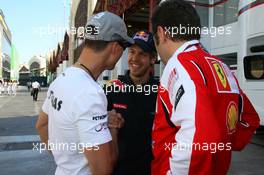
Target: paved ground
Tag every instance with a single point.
(20, 105)
(26, 162)
(18, 116)
(17, 135)
(248, 162)
(14, 126)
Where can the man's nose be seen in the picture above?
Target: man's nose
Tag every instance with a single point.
(134, 57)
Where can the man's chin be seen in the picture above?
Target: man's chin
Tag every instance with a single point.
(134, 70)
(135, 73)
(111, 67)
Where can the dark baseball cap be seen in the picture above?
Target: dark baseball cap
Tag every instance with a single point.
(144, 40)
(109, 27)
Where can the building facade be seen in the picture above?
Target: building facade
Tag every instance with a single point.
(58, 59)
(219, 19)
(5, 49)
(81, 10)
(233, 30)
(24, 75)
(38, 66)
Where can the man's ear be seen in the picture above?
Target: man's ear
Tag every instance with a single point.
(117, 47)
(109, 50)
(153, 59)
(114, 48)
(162, 33)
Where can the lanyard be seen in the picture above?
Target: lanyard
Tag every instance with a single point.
(87, 70)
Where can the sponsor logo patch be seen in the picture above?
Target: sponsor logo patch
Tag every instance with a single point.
(179, 95)
(172, 79)
(55, 102)
(101, 127)
(220, 74)
(120, 106)
(100, 117)
(232, 117)
(142, 36)
(222, 83)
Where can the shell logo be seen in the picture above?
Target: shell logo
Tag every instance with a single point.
(232, 117)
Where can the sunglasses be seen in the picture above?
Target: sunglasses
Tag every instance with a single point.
(123, 44)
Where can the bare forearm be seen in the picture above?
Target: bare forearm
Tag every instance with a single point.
(42, 127)
(114, 144)
(44, 137)
(102, 161)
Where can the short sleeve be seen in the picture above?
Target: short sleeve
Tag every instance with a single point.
(45, 104)
(90, 114)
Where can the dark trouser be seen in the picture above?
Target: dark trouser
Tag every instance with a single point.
(136, 167)
(35, 94)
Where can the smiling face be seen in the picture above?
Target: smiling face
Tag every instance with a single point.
(139, 62)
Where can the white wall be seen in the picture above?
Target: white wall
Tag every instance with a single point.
(227, 43)
(222, 43)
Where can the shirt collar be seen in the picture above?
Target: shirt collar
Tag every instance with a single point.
(128, 80)
(183, 48)
(169, 66)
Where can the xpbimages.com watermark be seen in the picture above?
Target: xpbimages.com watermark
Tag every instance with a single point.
(60, 146)
(81, 31)
(212, 147)
(172, 31)
(80, 147)
(126, 88)
(189, 30)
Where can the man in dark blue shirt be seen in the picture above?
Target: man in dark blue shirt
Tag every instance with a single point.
(134, 97)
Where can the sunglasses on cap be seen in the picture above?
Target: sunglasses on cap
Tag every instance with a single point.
(123, 44)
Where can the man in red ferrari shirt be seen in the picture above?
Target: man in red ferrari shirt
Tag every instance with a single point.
(202, 115)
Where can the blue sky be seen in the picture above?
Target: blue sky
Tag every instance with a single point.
(36, 25)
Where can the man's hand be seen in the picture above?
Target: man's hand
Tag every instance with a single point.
(115, 120)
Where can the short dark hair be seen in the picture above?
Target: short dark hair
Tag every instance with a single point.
(177, 13)
(154, 55)
(96, 45)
